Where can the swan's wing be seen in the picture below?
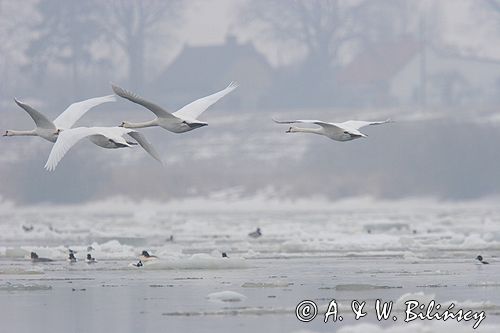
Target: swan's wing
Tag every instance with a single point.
(39, 119)
(67, 139)
(315, 122)
(357, 124)
(157, 110)
(76, 110)
(141, 139)
(194, 109)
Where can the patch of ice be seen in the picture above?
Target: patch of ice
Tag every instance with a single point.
(266, 284)
(416, 327)
(360, 286)
(226, 296)
(16, 252)
(23, 287)
(197, 261)
(423, 298)
(22, 271)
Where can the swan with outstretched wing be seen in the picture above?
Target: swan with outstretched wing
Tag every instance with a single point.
(106, 137)
(183, 120)
(49, 130)
(346, 131)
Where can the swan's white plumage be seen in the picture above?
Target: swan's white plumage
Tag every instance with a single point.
(48, 129)
(144, 143)
(346, 131)
(76, 110)
(40, 120)
(315, 122)
(194, 109)
(133, 97)
(357, 124)
(181, 121)
(68, 138)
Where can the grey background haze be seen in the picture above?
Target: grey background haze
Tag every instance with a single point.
(432, 66)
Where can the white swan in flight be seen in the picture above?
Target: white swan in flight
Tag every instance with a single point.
(106, 137)
(346, 131)
(183, 120)
(49, 130)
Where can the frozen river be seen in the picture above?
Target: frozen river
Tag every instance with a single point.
(389, 251)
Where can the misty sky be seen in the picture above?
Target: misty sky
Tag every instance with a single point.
(54, 53)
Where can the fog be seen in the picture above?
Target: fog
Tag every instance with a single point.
(431, 66)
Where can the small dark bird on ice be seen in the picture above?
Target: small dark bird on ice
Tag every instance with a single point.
(480, 258)
(255, 234)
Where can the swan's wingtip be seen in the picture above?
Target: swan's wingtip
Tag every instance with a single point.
(116, 89)
(233, 85)
(110, 98)
(50, 167)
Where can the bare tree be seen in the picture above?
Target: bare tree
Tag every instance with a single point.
(132, 24)
(65, 33)
(15, 35)
(324, 27)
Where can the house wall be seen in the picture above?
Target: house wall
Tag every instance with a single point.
(450, 81)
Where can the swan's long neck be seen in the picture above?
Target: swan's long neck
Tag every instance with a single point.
(150, 123)
(20, 133)
(306, 130)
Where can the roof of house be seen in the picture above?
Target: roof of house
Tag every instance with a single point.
(207, 67)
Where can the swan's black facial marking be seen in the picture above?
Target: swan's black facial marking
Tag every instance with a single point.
(195, 125)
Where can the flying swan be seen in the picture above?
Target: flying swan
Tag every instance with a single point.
(346, 131)
(106, 137)
(49, 130)
(183, 120)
